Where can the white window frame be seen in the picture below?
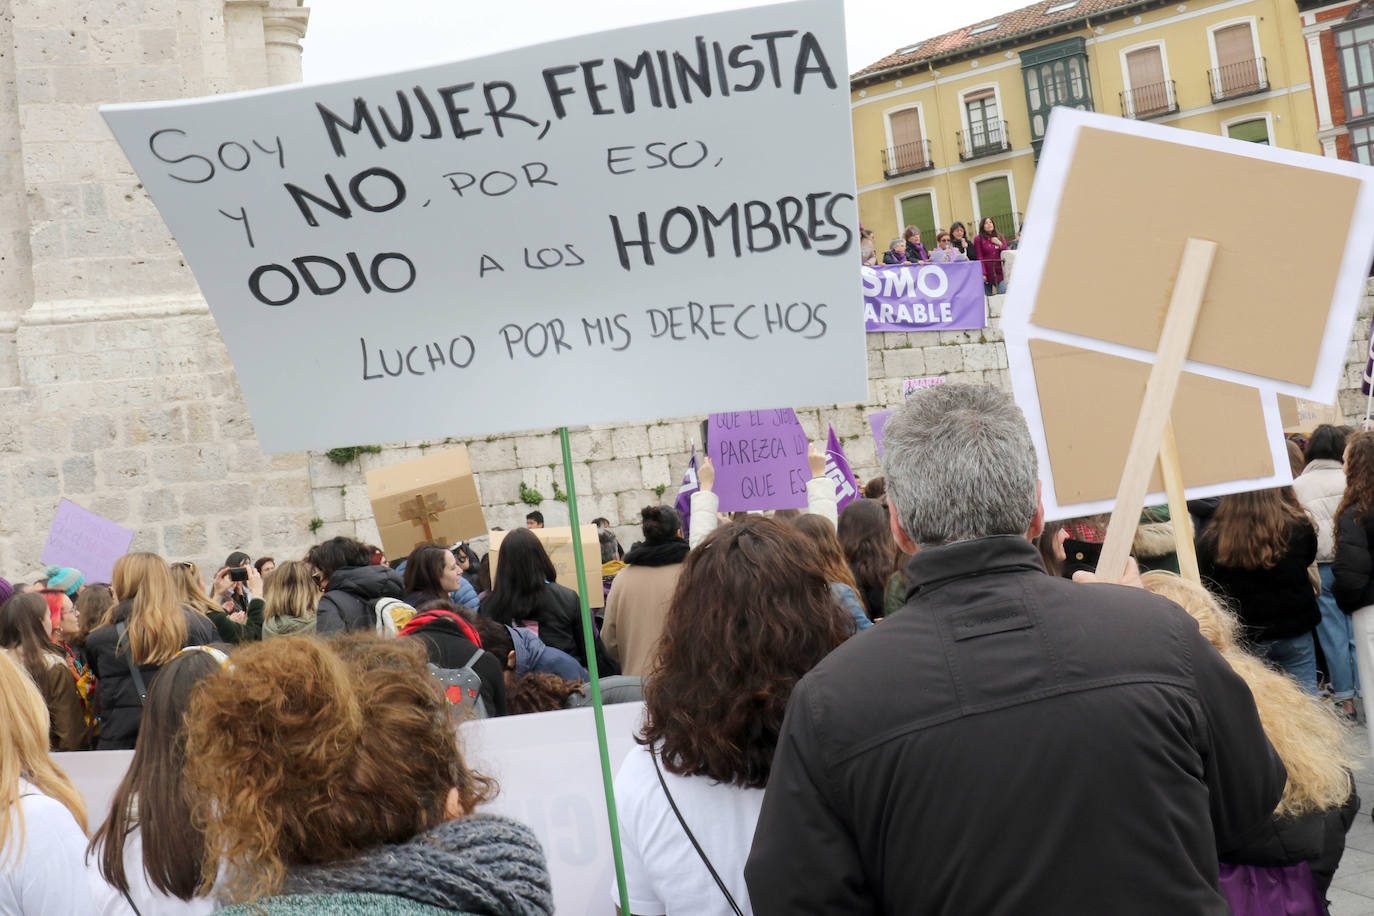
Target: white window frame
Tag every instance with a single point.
(1267, 116)
(963, 110)
(1212, 38)
(920, 118)
(907, 195)
(1126, 70)
(977, 210)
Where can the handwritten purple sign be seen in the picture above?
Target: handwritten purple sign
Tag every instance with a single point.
(85, 541)
(876, 422)
(840, 474)
(760, 459)
(924, 297)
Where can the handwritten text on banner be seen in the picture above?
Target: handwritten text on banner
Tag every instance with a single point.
(524, 224)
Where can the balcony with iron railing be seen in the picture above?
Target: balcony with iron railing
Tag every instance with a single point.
(983, 138)
(906, 158)
(1244, 77)
(1149, 101)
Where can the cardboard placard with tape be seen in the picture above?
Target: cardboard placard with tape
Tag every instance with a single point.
(559, 544)
(431, 499)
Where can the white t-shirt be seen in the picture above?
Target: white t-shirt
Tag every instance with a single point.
(150, 900)
(48, 878)
(663, 873)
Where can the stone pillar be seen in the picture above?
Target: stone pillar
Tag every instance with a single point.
(283, 27)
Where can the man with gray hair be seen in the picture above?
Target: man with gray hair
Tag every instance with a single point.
(1009, 742)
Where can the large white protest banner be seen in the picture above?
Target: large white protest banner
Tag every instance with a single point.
(671, 205)
(549, 778)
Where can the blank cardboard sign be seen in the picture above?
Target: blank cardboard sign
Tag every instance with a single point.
(1128, 205)
(1089, 402)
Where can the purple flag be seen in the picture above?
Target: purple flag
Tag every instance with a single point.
(684, 493)
(760, 459)
(1369, 364)
(838, 470)
(924, 297)
(876, 422)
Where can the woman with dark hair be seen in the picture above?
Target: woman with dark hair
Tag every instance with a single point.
(752, 614)
(432, 573)
(344, 572)
(148, 850)
(1352, 568)
(837, 571)
(869, 550)
(915, 251)
(524, 593)
(264, 565)
(1320, 488)
(958, 238)
(988, 246)
(328, 779)
(641, 592)
(26, 635)
(92, 605)
(1256, 552)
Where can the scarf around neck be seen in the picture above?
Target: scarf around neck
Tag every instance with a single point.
(482, 863)
(665, 553)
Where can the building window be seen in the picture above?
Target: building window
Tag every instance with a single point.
(1238, 70)
(1149, 91)
(908, 151)
(1054, 74)
(1255, 130)
(1362, 144)
(986, 133)
(993, 196)
(919, 210)
(1355, 44)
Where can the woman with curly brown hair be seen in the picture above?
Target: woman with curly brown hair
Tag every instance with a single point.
(752, 613)
(1352, 569)
(327, 779)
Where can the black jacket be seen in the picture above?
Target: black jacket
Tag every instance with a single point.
(1274, 603)
(1317, 838)
(121, 711)
(1353, 567)
(344, 608)
(559, 615)
(1041, 747)
(448, 646)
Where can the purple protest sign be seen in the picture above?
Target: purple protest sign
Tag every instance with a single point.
(85, 541)
(876, 422)
(1368, 377)
(684, 493)
(838, 470)
(760, 459)
(925, 297)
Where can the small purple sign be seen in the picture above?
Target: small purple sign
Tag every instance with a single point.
(838, 470)
(684, 493)
(760, 459)
(924, 297)
(1368, 377)
(876, 422)
(85, 541)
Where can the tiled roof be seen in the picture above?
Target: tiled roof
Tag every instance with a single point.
(1025, 21)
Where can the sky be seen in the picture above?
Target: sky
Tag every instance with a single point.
(349, 38)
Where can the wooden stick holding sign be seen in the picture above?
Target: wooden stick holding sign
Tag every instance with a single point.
(1148, 438)
(1172, 472)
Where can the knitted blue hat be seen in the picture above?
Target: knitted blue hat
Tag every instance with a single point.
(65, 578)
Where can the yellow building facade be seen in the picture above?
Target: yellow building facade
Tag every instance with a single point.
(949, 128)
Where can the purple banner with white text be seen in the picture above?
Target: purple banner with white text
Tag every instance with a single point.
(924, 297)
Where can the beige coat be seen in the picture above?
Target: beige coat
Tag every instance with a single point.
(1320, 487)
(635, 611)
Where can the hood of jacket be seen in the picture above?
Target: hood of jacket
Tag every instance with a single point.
(368, 582)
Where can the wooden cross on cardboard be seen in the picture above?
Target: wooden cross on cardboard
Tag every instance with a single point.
(422, 510)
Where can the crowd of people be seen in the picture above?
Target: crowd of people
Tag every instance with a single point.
(923, 703)
(986, 246)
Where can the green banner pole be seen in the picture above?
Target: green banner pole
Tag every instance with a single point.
(589, 645)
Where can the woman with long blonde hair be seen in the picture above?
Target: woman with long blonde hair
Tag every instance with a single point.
(290, 597)
(42, 816)
(1319, 800)
(148, 626)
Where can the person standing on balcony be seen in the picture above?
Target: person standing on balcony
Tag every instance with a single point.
(868, 253)
(896, 253)
(945, 252)
(959, 240)
(988, 248)
(915, 251)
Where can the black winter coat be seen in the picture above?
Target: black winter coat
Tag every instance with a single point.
(448, 646)
(558, 612)
(1040, 746)
(121, 710)
(344, 608)
(1317, 838)
(1274, 603)
(1353, 566)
